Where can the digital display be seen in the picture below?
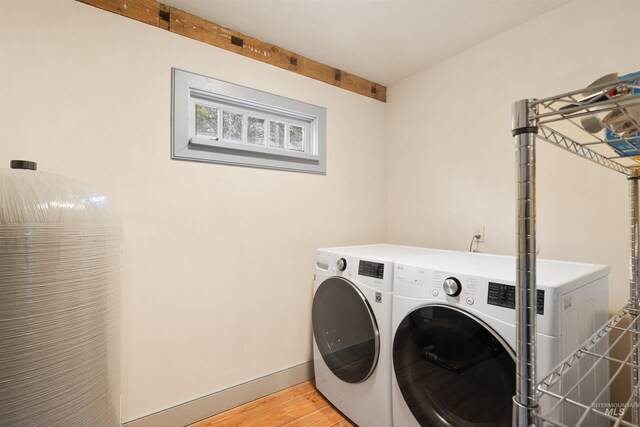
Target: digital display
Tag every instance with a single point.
(371, 269)
(505, 296)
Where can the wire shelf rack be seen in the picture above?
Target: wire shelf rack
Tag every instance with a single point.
(600, 123)
(563, 115)
(607, 348)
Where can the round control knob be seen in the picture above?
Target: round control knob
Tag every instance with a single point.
(342, 264)
(452, 287)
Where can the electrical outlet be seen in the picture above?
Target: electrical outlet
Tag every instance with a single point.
(479, 230)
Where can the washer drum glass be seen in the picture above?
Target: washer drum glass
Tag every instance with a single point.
(453, 370)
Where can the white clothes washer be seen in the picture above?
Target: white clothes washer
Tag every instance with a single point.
(454, 336)
(351, 318)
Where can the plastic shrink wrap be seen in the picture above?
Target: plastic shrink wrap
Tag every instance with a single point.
(60, 244)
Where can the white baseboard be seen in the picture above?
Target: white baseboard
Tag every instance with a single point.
(204, 407)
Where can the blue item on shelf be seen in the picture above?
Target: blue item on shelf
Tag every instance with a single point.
(631, 146)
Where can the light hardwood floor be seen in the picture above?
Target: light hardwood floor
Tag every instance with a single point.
(298, 406)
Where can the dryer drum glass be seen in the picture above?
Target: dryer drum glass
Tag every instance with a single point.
(345, 330)
(452, 370)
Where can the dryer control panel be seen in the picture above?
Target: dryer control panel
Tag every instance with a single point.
(372, 272)
(371, 269)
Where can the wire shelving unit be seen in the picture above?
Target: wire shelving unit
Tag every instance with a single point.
(600, 123)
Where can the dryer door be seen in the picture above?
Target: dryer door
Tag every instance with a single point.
(453, 370)
(345, 330)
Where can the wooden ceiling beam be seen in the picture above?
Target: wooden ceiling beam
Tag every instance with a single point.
(183, 23)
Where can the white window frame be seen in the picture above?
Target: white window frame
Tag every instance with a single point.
(190, 89)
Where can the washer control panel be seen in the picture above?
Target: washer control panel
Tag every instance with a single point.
(452, 286)
(419, 282)
(486, 286)
(505, 296)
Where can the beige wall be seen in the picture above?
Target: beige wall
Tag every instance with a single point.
(218, 276)
(451, 162)
(218, 266)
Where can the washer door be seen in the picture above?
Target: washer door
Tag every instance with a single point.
(453, 370)
(345, 330)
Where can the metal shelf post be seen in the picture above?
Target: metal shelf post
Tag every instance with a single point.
(634, 282)
(610, 137)
(524, 130)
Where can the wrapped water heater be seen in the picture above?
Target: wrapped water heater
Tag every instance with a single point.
(60, 245)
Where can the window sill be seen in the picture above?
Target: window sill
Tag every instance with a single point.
(253, 148)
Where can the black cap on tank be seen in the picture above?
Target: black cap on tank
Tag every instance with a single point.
(23, 164)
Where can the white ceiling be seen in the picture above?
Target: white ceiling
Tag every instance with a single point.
(380, 40)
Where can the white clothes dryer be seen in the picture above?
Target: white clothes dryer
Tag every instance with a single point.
(454, 336)
(351, 318)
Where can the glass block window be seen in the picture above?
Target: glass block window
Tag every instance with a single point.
(276, 134)
(296, 138)
(206, 121)
(219, 122)
(232, 126)
(255, 130)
